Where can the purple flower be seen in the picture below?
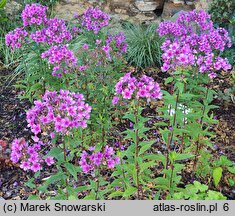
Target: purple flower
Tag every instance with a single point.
(191, 41)
(54, 32)
(16, 38)
(70, 105)
(115, 100)
(34, 14)
(129, 87)
(94, 20)
(25, 165)
(35, 167)
(62, 59)
(91, 160)
(49, 161)
(85, 46)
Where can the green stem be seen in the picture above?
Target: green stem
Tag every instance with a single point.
(170, 135)
(137, 152)
(198, 146)
(172, 171)
(66, 181)
(98, 183)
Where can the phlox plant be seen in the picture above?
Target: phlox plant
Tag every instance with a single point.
(133, 175)
(191, 54)
(99, 66)
(54, 120)
(38, 37)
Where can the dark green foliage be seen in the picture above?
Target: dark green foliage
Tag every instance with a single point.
(143, 45)
(222, 11)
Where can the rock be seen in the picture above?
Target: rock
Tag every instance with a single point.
(170, 9)
(145, 17)
(175, 16)
(178, 1)
(202, 4)
(120, 11)
(1, 198)
(119, 5)
(146, 6)
(12, 8)
(133, 8)
(68, 11)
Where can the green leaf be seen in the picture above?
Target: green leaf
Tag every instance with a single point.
(21, 86)
(73, 197)
(183, 156)
(116, 194)
(129, 191)
(156, 157)
(231, 182)
(33, 197)
(130, 116)
(56, 153)
(217, 174)
(200, 187)
(3, 3)
(231, 169)
(54, 178)
(145, 146)
(162, 183)
(90, 196)
(130, 134)
(30, 183)
(72, 170)
(35, 87)
(168, 80)
(180, 86)
(146, 165)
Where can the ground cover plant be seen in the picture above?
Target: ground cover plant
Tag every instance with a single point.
(98, 128)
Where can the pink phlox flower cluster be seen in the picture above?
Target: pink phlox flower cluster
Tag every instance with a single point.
(94, 20)
(58, 112)
(28, 156)
(115, 43)
(15, 38)
(191, 41)
(62, 59)
(34, 14)
(55, 32)
(130, 87)
(90, 159)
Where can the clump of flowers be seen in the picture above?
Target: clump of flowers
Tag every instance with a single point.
(115, 43)
(130, 87)
(28, 156)
(192, 41)
(55, 31)
(15, 38)
(62, 59)
(34, 14)
(90, 159)
(58, 112)
(94, 19)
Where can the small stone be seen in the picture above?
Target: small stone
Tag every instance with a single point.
(146, 6)
(120, 11)
(171, 9)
